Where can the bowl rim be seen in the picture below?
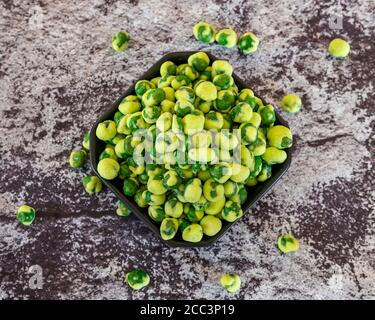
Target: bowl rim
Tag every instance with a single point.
(266, 186)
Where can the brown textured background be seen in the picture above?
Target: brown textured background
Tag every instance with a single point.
(58, 73)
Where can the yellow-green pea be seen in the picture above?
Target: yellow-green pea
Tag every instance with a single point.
(204, 32)
(171, 179)
(202, 155)
(130, 104)
(86, 141)
(115, 139)
(155, 185)
(169, 94)
(247, 157)
(247, 95)
(108, 168)
(140, 198)
(225, 100)
(287, 243)
(204, 106)
(211, 225)
(155, 81)
(26, 215)
(199, 61)
(183, 107)
(231, 282)
(137, 279)
(136, 121)
(215, 207)
(242, 112)
(206, 74)
(221, 172)
(142, 86)
(92, 184)
(167, 106)
(206, 90)
(106, 130)
(122, 125)
(291, 103)
(151, 114)
(248, 43)
(228, 123)
(230, 188)
(192, 214)
(201, 139)
(153, 97)
(130, 187)
(180, 81)
(168, 228)
(274, 156)
(259, 146)
(249, 133)
(239, 173)
(223, 81)
(255, 120)
(153, 199)
(212, 190)
(168, 68)
(201, 204)
(338, 48)
(227, 38)
(221, 66)
(251, 182)
(120, 41)
(122, 210)
(193, 233)
(193, 190)
(226, 140)
(165, 82)
(279, 137)
(156, 213)
(173, 208)
(265, 173)
(77, 158)
(188, 71)
(204, 175)
(267, 114)
(193, 122)
(231, 211)
(164, 122)
(185, 93)
(213, 120)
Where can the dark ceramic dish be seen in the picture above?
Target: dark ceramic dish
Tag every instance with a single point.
(254, 193)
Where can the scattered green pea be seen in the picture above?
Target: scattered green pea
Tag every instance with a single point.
(86, 141)
(292, 103)
(248, 43)
(338, 48)
(137, 279)
(231, 282)
(120, 41)
(122, 210)
(92, 184)
(26, 215)
(226, 38)
(287, 243)
(204, 32)
(77, 158)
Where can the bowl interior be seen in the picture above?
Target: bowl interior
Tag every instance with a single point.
(254, 193)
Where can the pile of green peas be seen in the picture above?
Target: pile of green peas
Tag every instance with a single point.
(227, 37)
(186, 108)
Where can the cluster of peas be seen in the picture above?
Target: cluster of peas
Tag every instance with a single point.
(192, 102)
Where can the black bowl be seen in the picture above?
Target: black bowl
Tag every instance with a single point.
(254, 193)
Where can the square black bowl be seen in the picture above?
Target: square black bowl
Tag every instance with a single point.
(254, 193)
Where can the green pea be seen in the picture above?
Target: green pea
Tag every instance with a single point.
(231, 211)
(220, 67)
(242, 194)
(206, 91)
(265, 173)
(248, 43)
(86, 141)
(122, 210)
(206, 75)
(192, 233)
(280, 137)
(242, 112)
(143, 178)
(231, 282)
(130, 187)
(108, 168)
(154, 199)
(211, 225)
(171, 180)
(142, 86)
(202, 204)
(183, 107)
(215, 207)
(173, 208)
(226, 38)
(204, 32)
(213, 120)
(230, 188)
(249, 133)
(151, 114)
(292, 103)
(225, 100)
(223, 81)
(77, 158)
(339, 48)
(168, 68)
(183, 224)
(212, 190)
(140, 198)
(180, 81)
(165, 82)
(240, 173)
(221, 172)
(185, 93)
(193, 190)
(168, 228)
(199, 61)
(156, 213)
(287, 243)
(257, 167)
(274, 156)
(267, 114)
(137, 279)
(106, 130)
(26, 215)
(247, 95)
(92, 184)
(120, 41)
(108, 152)
(130, 104)
(153, 97)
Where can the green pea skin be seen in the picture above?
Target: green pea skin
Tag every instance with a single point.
(156, 213)
(92, 184)
(120, 41)
(257, 167)
(287, 243)
(122, 210)
(77, 158)
(292, 103)
(26, 215)
(168, 228)
(137, 279)
(86, 141)
(193, 233)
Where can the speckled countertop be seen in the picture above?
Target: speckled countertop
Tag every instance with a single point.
(58, 73)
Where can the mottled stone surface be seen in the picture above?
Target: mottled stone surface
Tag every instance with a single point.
(58, 73)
